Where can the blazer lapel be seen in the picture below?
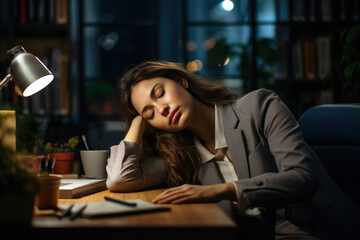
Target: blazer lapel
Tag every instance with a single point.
(235, 141)
(210, 175)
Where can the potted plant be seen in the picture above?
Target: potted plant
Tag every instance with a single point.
(18, 188)
(63, 154)
(267, 52)
(347, 66)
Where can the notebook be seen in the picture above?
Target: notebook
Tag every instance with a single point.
(106, 208)
(74, 188)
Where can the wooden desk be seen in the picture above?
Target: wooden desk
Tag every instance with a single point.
(183, 221)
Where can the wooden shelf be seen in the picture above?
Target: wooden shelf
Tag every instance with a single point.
(37, 29)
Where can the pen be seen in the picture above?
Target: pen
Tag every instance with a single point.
(66, 211)
(77, 213)
(120, 201)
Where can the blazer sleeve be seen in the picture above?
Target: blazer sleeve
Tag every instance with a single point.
(282, 140)
(128, 172)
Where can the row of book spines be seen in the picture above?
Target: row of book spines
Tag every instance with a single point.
(318, 10)
(35, 11)
(311, 60)
(55, 98)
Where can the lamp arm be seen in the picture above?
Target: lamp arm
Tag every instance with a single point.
(6, 80)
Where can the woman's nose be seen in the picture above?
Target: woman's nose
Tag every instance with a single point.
(164, 110)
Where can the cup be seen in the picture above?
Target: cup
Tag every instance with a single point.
(32, 162)
(48, 196)
(94, 163)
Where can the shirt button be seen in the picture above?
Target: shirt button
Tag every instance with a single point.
(259, 183)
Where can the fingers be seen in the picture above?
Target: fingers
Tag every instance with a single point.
(184, 199)
(174, 199)
(169, 195)
(175, 195)
(188, 193)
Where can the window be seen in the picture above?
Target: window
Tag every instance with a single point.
(218, 40)
(116, 35)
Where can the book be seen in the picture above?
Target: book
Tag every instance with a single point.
(107, 208)
(61, 11)
(55, 68)
(74, 188)
(309, 60)
(64, 94)
(298, 11)
(3, 11)
(282, 10)
(325, 10)
(281, 66)
(356, 10)
(297, 60)
(311, 10)
(22, 11)
(323, 56)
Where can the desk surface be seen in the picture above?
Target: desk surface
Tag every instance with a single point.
(180, 216)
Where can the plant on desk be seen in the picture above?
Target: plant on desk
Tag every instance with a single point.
(63, 153)
(18, 188)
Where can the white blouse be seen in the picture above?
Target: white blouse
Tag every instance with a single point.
(226, 167)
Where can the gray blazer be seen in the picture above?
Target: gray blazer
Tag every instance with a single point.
(273, 163)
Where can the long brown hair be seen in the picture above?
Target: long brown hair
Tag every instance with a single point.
(177, 149)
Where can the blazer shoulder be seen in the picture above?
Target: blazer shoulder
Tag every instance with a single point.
(256, 99)
(259, 94)
(251, 105)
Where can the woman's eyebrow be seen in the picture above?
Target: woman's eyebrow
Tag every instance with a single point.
(152, 94)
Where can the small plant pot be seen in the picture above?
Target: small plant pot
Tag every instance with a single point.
(63, 162)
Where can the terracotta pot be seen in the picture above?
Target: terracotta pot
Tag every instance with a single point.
(63, 162)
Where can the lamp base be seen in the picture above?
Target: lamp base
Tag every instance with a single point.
(8, 129)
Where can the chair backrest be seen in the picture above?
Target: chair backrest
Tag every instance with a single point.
(333, 132)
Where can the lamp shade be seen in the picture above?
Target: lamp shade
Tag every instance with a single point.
(28, 72)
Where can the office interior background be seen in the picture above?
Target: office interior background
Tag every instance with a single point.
(293, 47)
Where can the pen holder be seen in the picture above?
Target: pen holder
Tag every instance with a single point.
(94, 163)
(49, 193)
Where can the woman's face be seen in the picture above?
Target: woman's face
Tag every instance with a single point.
(163, 103)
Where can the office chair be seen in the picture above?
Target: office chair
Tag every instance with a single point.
(333, 132)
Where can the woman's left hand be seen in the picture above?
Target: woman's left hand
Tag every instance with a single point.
(197, 193)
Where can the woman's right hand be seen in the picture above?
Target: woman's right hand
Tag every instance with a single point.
(136, 130)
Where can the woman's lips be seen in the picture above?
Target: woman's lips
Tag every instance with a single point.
(174, 116)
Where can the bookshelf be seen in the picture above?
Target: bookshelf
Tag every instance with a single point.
(302, 36)
(42, 28)
(312, 48)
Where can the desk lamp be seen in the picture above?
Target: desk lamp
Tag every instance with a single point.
(28, 72)
(30, 76)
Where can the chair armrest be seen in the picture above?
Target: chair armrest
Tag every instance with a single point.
(267, 223)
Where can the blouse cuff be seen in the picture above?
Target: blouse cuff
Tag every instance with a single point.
(242, 204)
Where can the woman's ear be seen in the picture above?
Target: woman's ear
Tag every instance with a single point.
(184, 83)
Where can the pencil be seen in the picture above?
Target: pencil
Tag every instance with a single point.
(78, 213)
(120, 201)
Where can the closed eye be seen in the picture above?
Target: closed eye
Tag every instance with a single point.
(159, 93)
(148, 114)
